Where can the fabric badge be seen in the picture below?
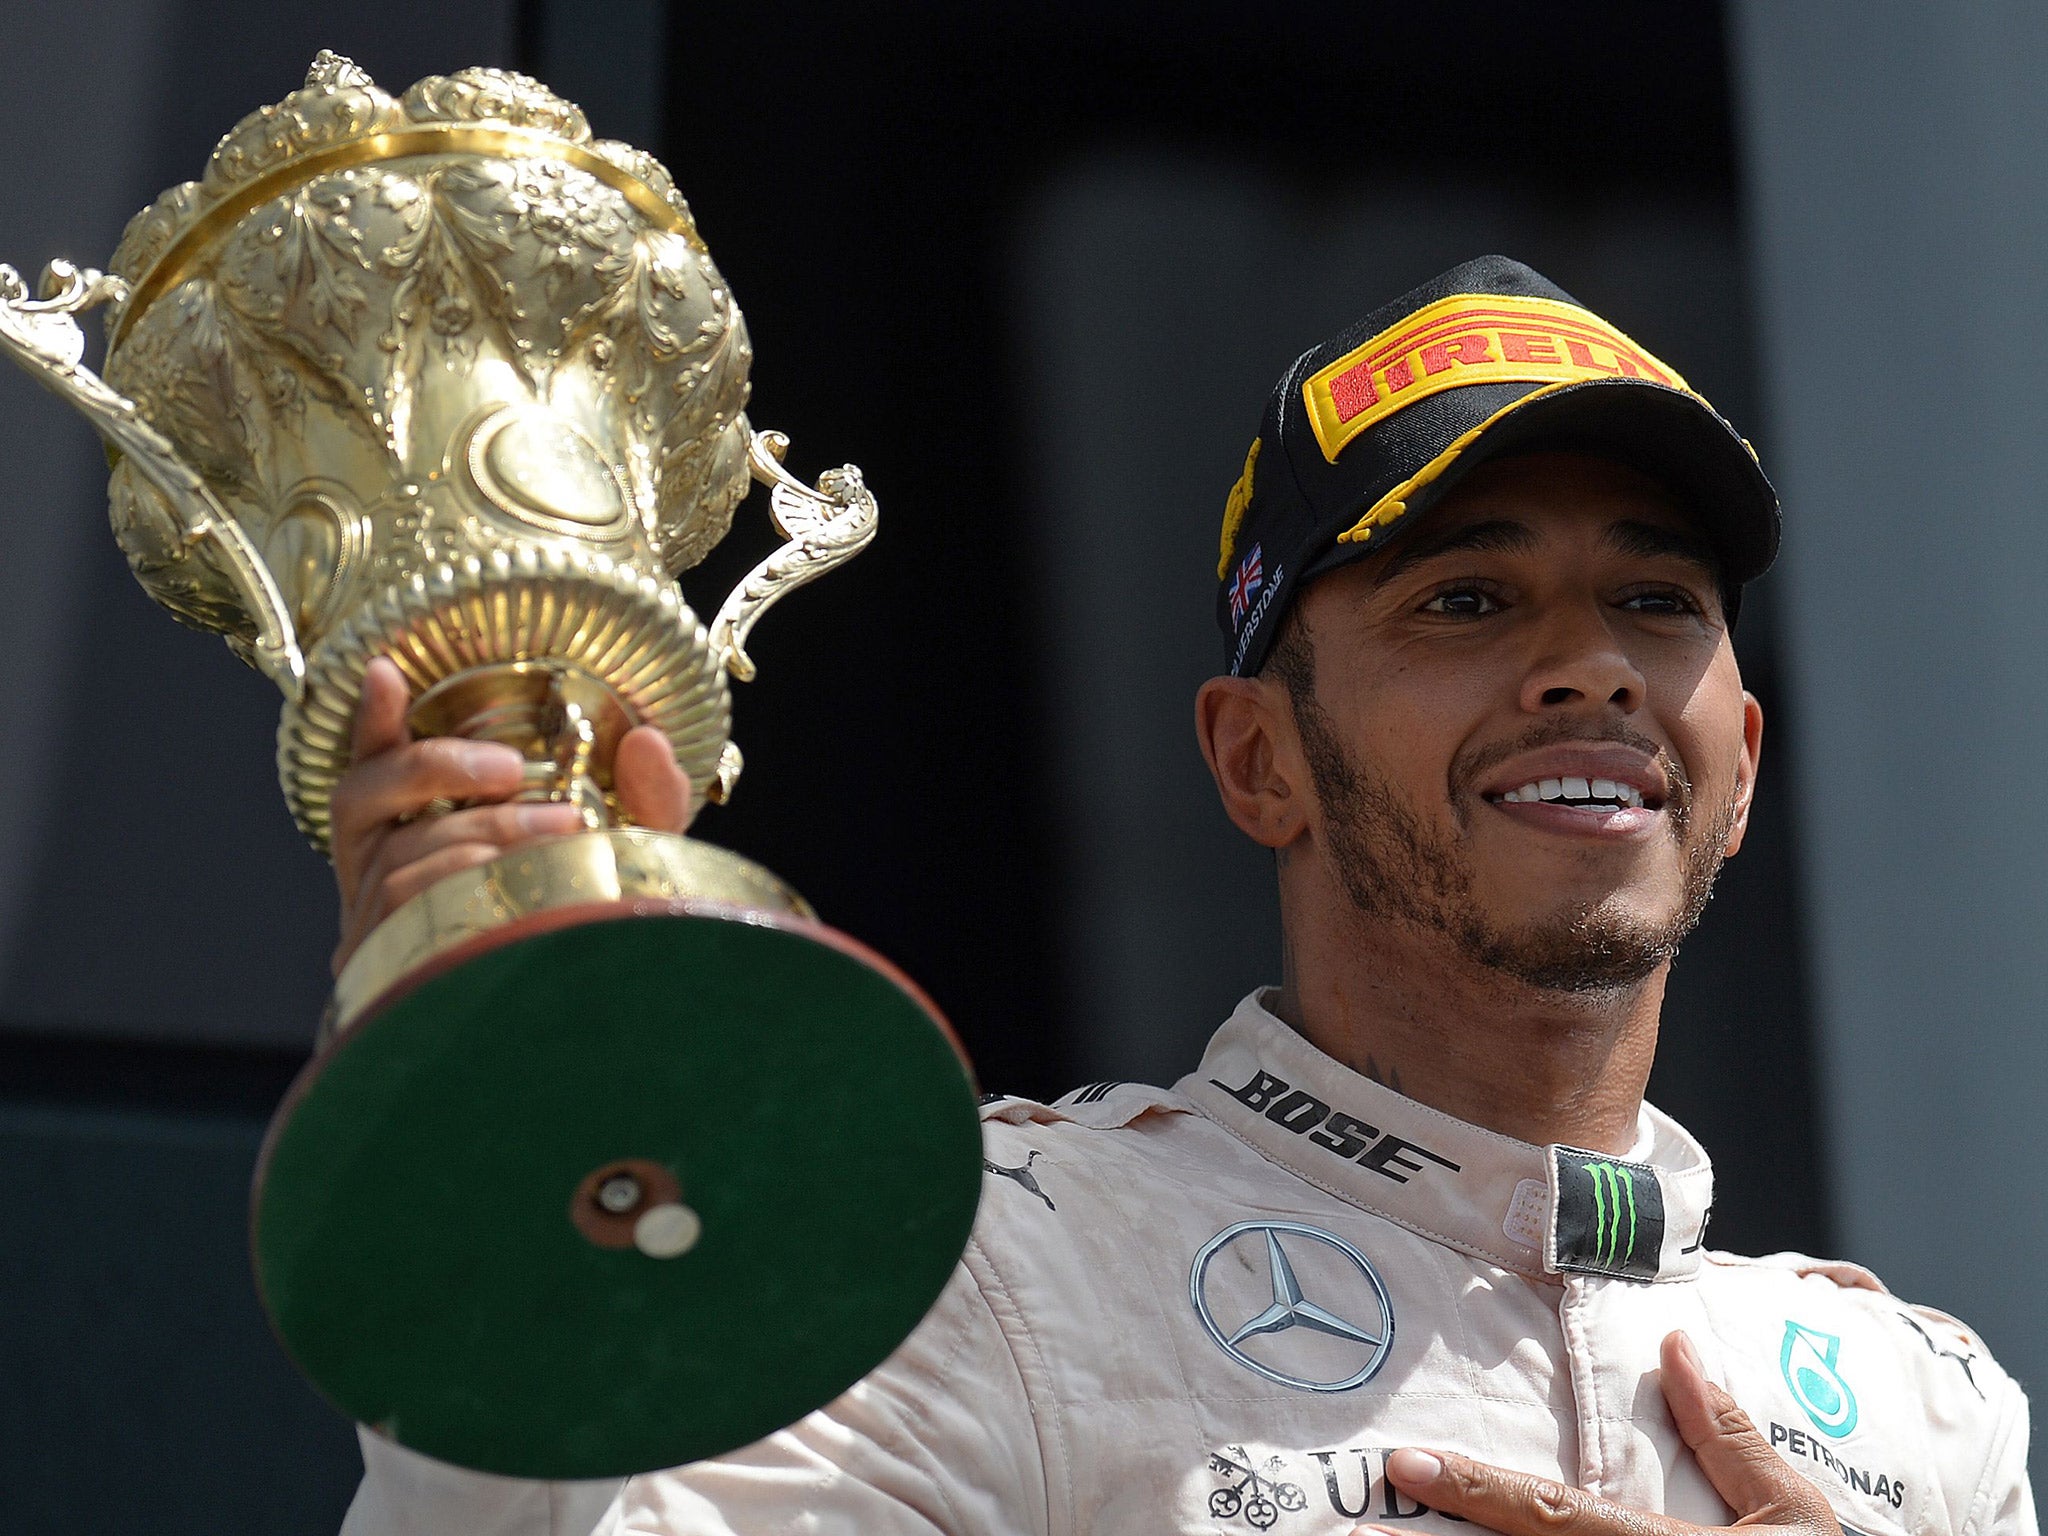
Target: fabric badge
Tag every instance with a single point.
(1610, 1216)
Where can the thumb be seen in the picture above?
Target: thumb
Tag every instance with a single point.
(653, 790)
(380, 712)
(1754, 1480)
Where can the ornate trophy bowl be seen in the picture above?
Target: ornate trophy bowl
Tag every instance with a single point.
(611, 1156)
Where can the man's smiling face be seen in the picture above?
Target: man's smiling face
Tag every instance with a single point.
(1525, 724)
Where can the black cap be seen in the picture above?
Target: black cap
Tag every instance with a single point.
(1365, 432)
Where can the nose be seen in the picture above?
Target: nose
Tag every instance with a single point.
(1579, 661)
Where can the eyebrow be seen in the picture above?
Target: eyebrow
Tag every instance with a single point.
(1653, 540)
(1500, 536)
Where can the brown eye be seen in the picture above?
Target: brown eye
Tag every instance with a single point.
(1462, 603)
(1671, 602)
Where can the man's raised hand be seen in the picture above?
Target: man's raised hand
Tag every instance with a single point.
(1755, 1481)
(385, 851)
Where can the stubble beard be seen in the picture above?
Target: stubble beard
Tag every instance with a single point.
(1394, 868)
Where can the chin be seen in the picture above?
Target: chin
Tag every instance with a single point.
(1583, 947)
(1561, 904)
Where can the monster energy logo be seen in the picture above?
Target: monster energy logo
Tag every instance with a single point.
(1610, 1215)
(1612, 1186)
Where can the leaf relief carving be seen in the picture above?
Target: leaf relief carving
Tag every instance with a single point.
(495, 96)
(179, 573)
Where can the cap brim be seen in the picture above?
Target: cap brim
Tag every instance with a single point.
(1671, 436)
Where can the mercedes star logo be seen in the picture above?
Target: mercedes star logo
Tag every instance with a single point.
(1291, 1309)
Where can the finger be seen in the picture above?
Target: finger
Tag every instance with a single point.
(367, 897)
(1752, 1479)
(393, 890)
(401, 782)
(504, 826)
(380, 713)
(653, 791)
(1517, 1503)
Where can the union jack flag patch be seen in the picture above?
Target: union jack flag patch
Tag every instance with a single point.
(1251, 575)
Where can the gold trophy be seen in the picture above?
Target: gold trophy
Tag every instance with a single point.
(611, 1156)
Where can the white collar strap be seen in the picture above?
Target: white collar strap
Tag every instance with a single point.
(1539, 1210)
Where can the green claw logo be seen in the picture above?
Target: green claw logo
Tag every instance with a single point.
(1609, 1216)
(1807, 1361)
(1614, 1197)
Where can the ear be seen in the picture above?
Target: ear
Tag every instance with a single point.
(1745, 770)
(1246, 728)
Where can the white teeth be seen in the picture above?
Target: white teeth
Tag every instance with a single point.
(1594, 790)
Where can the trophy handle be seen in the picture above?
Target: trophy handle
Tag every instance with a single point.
(826, 526)
(42, 335)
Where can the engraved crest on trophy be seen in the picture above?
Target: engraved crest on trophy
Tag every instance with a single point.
(612, 1155)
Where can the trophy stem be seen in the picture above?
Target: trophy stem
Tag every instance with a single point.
(555, 876)
(573, 736)
(564, 720)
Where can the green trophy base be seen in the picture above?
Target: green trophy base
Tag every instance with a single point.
(617, 1194)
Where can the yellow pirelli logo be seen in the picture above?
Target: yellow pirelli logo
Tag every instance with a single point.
(1469, 338)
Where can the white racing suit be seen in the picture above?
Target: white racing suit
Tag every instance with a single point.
(1215, 1309)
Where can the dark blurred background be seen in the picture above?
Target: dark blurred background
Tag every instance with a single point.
(1034, 267)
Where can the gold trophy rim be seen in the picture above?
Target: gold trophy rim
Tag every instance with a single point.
(173, 266)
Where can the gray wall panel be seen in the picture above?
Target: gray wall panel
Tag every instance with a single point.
(79, 87)
(1900, 202)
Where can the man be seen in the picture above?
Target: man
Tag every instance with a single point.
(1407, 1246)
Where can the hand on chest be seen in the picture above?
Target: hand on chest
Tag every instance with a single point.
(1301, 1349)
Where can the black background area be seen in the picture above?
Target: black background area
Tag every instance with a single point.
(858, 174)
